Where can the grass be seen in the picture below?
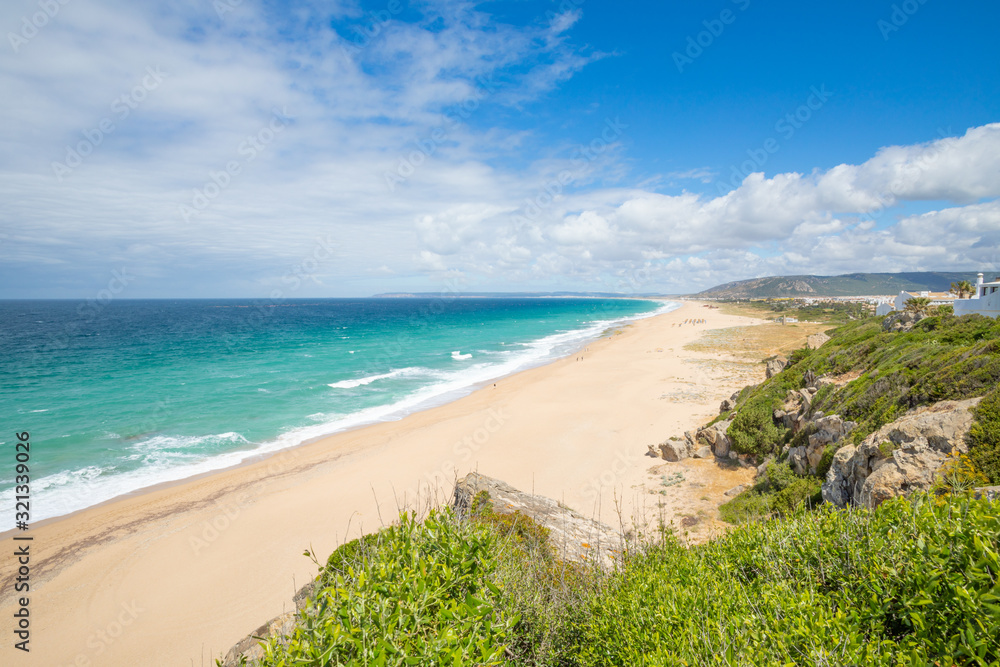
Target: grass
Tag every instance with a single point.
(914, 582)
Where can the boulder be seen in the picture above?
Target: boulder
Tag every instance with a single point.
(773, 367)
(901, 457)
(798, 460)
(727, 405)
(575, 537)
(987, 492)
(673, 450)
(735, 491)
(809, 379)
(816, 340)
(715, 437)
(703, 453)
(900, 321)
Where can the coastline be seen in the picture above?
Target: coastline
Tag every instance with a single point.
(68, 500)
(202, 561)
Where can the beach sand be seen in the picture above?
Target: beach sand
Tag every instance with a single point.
(176, 575)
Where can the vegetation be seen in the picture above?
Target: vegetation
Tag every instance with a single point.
(940, 358)
(963, 289)
(832, 312)
(918, 304)
(914, 582)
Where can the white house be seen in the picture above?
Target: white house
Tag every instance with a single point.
(937, 298)
(986, 300)
(884, 309)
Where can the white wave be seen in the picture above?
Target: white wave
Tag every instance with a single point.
(458, 356)
(358, 382)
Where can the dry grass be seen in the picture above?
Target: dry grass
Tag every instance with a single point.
(757, 342)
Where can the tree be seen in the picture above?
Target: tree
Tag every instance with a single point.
(918, 304)
(962, 289)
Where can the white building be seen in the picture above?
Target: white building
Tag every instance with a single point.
(884, 308)
(986, 300)
(937, 298)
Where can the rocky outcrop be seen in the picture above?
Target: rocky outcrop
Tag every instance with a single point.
(773, 367)
(900, 321)
(816, 340)
(714, 436)
(729, 404)
(673, 450)
(901, 457)
(574, 536)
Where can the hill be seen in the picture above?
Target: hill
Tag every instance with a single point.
(850, 284)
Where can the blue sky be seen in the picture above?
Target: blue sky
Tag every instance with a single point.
(278, 150)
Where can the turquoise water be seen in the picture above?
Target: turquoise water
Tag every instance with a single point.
(124, 395)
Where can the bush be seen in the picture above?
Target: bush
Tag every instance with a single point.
(421, 594)
(911, 583)
(984, 437)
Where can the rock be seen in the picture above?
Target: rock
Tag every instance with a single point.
(816, 340)
(900, 321)
(837, 489)
(715, 437)
(690, 442)
(703, 453)
(575, 537)
(774, 367)
(809, 378)
(901, 457)
(248, 651)
(733, 455)
(653, 452)
(762, 468)
(736, 490)
(727, 405)
(673, 450)
(798, 460)
(988, 492)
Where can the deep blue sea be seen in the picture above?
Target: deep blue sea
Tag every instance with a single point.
(127, 394)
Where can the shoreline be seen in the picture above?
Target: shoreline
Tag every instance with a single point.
(208, 559)
(253, 456)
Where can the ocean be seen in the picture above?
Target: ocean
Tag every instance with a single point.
(127, 394)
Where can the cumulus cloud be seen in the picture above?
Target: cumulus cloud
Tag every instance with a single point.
(217, 153)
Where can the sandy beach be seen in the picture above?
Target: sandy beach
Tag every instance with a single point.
(176, 575)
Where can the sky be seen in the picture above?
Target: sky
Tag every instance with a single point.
(273, 150)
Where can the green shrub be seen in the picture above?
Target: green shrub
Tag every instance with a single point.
(753, 430)
(421, 595)
(984, 437)
(913, 583)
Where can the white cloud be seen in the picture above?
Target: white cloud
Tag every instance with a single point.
(357, 111)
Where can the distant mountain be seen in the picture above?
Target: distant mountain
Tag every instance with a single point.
(510, 295)
(851, 284)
